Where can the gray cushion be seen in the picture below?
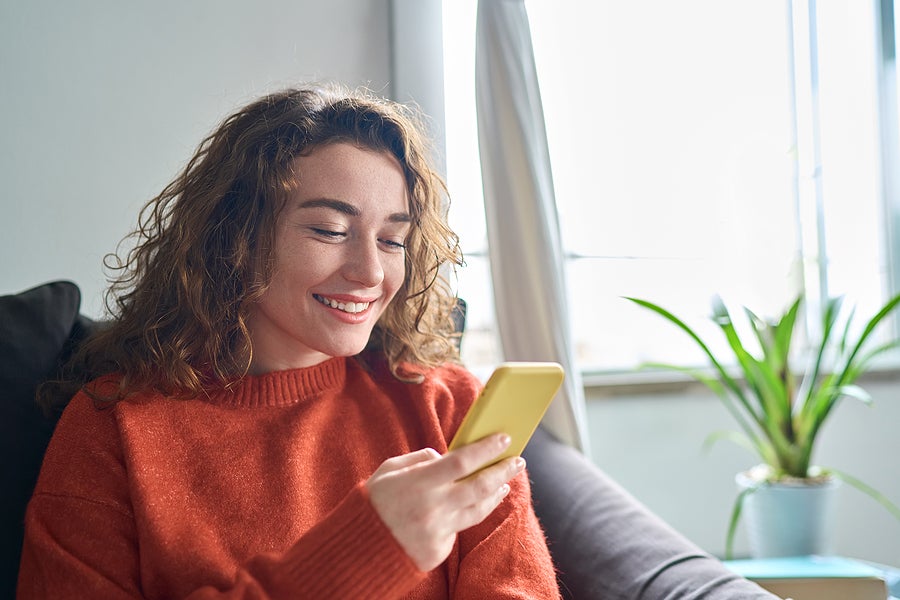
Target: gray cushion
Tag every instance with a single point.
(607, 545)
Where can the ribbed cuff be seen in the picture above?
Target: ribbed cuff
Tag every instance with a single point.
(350, 554)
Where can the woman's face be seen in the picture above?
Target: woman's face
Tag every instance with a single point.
(339, 258)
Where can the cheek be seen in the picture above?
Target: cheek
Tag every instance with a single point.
(298, 265)
(401, 269)
(395, 274)
(292, 276)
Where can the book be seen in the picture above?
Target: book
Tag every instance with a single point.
(814, 577)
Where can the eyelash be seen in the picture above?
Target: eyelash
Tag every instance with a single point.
(333, 235)
(328, 233)
(393, 244)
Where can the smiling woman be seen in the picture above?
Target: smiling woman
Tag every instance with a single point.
(268, 413)
(339, 259)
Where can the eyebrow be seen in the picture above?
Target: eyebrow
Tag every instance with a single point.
(349, 209)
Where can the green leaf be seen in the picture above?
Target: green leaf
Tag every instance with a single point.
(842, 347)
(752, 369)
(775, 416)
(736, 517)
(869, 491)
(854, 391)
(764, 336)
(727, 381)
(860, 366)
(735, 437)
(756, 447)
(711, 382)
(848, 371)
(784, 334)
(717, 388)
(784, 331)
(870, 327)
(816, 409)
(829, 317)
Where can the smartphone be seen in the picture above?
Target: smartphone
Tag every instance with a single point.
(513, 401)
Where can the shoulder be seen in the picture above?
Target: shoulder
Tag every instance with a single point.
(449, 380)
(88, 416)
(447, 390)
(89, 428)
(451, 389)
(452, 379)
(85, 455)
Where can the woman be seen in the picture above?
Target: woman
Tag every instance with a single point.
(276, 390)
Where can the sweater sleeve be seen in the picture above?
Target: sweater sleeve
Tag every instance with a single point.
(82, 540)
(506, 555)
(349, 554)
(77, 547)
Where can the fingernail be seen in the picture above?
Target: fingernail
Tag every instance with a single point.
(504, 491)
(505, 440)
(520, 464)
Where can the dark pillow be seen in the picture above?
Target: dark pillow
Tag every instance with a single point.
(35, 328)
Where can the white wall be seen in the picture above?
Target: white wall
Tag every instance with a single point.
(102, 101)
(651, 444)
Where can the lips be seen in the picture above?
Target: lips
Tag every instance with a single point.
(347, 307)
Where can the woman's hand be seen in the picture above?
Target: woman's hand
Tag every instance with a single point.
(425, 499)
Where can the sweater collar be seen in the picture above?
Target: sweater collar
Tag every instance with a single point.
(283, 388)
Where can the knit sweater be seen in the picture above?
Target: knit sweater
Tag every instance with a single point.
(258, 492)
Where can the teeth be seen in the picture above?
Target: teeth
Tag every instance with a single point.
(348, 307)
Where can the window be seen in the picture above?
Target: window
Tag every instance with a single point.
(698, 148)
(480, 346)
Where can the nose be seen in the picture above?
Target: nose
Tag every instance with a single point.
(363, 265)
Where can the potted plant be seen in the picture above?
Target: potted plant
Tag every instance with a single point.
(780, 412)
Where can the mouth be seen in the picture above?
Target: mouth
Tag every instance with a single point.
(347, 307)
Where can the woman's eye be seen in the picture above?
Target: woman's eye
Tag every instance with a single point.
(328, 233)
(394, 244)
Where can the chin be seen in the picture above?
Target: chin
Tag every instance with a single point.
(345, 350)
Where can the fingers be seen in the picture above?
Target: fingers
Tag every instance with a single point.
(464, 461)
(405, 461)
(485, 483)
(408, 460)
(425, 499)
(476, 513)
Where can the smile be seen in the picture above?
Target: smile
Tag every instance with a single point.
(347, 307)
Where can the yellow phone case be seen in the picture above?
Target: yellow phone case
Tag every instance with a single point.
(513, 401)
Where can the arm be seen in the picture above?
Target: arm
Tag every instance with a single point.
(506, 556)
(83, 540)
(85, 548)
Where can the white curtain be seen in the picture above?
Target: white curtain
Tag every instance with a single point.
(523, 227)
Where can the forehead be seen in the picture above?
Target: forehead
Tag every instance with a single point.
(360, 176)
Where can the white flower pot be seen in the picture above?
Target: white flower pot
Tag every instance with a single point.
(788, 518)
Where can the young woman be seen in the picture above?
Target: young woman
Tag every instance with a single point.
(268, 414)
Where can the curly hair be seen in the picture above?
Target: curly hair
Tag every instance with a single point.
(203, 248)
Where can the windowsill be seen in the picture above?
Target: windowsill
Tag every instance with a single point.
(601, 385)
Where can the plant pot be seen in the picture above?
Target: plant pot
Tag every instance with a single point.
(788, 518)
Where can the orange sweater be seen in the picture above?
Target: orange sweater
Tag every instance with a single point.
(258, 493)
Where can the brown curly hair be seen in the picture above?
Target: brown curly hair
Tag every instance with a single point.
(203, 248)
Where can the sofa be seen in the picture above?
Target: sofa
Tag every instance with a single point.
(605, 544)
